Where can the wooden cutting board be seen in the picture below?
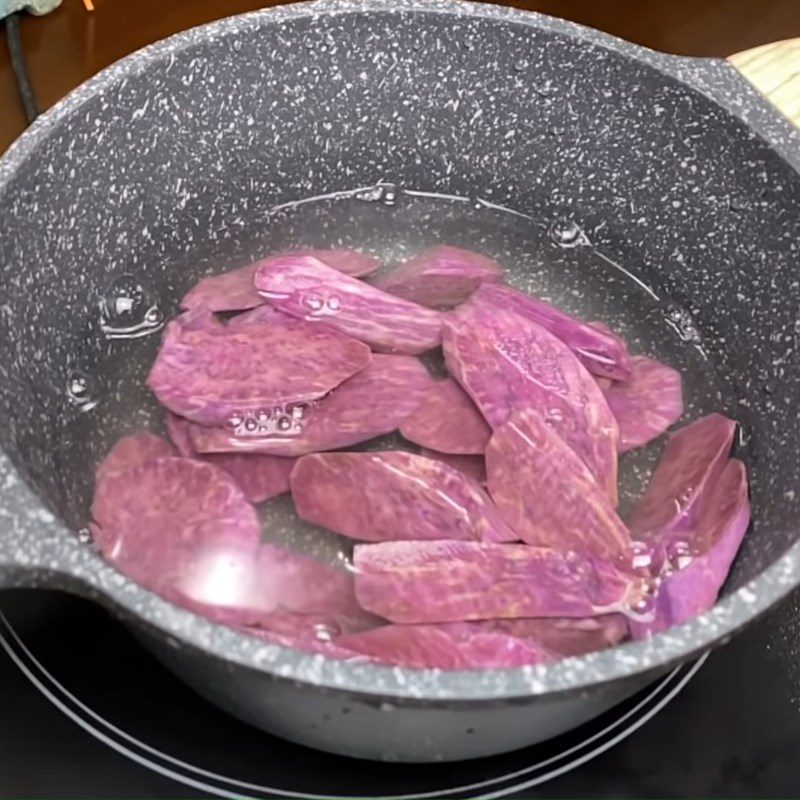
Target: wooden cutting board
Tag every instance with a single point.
(774, 69)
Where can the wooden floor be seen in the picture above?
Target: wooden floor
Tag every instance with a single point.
(69, 45)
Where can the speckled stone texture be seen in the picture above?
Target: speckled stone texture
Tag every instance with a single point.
(642, 189)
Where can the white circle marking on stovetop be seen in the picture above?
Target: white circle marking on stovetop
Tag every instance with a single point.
(31, 669)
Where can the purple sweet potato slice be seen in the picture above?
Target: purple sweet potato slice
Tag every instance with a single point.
(298, 584)
(260, 477)
(308, 289)
(448, 421)
(461, 645)
(472, 466)
(604, 383)
(305, 603)
(133, 451)
(599, 350)
(393, 495)
(228, 291)
(198, 319)
(183, 529)
(418, 646)
(441, 277)
(168, 495)
(692, 461)
(645, 404)
(546, 493)
(568, 636)
(179, 432)
(275, 589)
(372, 403)
(699, 563)
(234, 290)
(452, 581)
(215, 375)
(261, 315)
(506, 362)
(348, 262)
(487, 644)
(311, 633)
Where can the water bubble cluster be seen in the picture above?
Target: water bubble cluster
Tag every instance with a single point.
(321, 305)
(284, 420)
(683, 323)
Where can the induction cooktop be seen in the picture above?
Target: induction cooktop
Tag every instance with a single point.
(86, 711)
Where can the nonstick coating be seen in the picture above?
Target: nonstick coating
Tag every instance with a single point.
(173, 163)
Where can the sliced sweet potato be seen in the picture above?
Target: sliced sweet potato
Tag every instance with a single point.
(452, 581)
(440, 277)
(546, 493)
(448, 421)
(393, 495)
(310, 290)
(506, 362)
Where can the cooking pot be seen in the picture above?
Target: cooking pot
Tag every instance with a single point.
(657, 193)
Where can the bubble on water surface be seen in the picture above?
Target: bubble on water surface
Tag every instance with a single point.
(84, 536)
(641, 555)
(386, 193)
(683, 323)
(679, 555)
(81, 391)
(128, 309)
(567, 233)
(643, 611)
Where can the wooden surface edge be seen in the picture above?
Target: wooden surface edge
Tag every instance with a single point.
(774, 69)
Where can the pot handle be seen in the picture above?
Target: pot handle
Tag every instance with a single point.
(36, 548)
(774, 70)
(755, 85)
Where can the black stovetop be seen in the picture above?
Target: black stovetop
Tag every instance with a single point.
(732, 731)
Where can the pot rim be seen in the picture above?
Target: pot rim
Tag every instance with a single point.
(51, 545)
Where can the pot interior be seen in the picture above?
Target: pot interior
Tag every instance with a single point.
(600, 183)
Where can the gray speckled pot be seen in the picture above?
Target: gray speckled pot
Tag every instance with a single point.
(163, 164)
